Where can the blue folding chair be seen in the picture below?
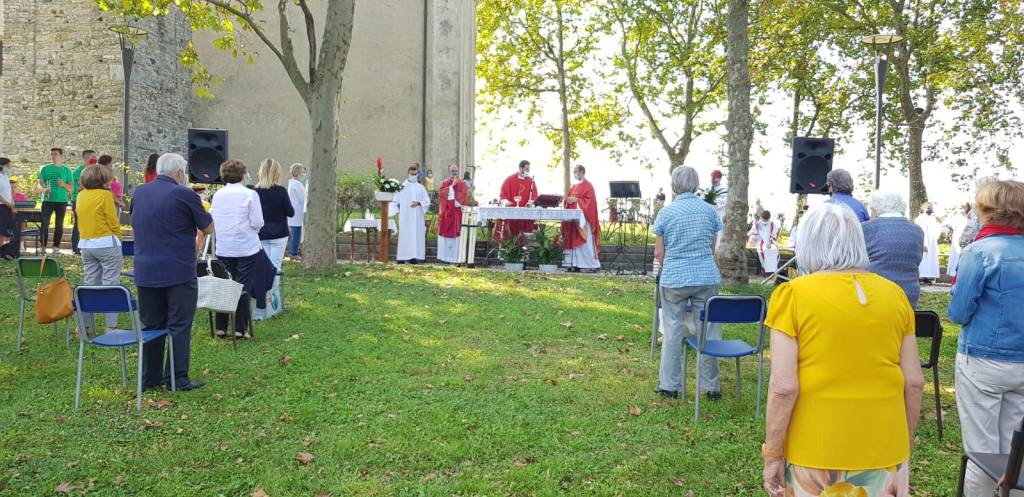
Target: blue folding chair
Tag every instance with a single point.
(128, 252)
(729, 309)
(39, 270)
(114, 299)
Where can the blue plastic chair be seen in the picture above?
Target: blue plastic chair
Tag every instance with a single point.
(128, 252)
(38, 270)
(729, 309)
(114, 299)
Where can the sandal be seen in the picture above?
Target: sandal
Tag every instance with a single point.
(221, 333)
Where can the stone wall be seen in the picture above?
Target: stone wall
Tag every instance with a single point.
(62, 82)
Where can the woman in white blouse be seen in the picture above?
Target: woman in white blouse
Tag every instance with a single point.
(297, 194)
(238, 216)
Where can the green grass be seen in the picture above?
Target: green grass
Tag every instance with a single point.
(403, 382)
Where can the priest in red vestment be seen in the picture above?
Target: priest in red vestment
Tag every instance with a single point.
(453, 195)
(582, 242)
(518, 190)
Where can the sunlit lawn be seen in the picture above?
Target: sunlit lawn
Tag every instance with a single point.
(403, 382)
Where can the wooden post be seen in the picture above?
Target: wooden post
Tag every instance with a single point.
(385, 233)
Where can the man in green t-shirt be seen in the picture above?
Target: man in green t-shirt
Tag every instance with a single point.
(88, 159)
(55, 183)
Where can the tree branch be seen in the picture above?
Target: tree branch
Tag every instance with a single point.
(311, 36)
(291, 66)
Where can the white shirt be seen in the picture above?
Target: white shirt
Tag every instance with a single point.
(5, 188)
(297, 194)
(237, 218)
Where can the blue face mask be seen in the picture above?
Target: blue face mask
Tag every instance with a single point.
(304, 178)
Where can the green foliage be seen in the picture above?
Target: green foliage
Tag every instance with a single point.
(547, 250)
(711, 195)
(355, 195)
(513, 250)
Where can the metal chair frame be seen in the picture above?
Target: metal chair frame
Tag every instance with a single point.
(700, 347)
(24, 296)
(128, 306)
(998, 466)
(927, 324)
(218, 265)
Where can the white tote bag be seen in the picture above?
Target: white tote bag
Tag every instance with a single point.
(218, 294)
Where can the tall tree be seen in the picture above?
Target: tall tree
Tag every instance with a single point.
(671, 59)
(732, 256)
(319, 84)
(529, 49)
(961, 56)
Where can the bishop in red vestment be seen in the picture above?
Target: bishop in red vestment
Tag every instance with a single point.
(453, 195)
(518, 190)
(582, 243)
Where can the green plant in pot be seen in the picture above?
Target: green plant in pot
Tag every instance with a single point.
(513, 252)
(548, 251)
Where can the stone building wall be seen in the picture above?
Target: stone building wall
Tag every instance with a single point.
(62, 82)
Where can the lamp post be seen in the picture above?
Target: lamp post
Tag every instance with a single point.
(128, 36)
(879, 43)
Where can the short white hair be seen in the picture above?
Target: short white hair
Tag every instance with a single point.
(685, 180)
(889, 202)
(831, 239)
(171, 164)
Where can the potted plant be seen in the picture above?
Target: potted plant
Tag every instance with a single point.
(386, 187)
(712, 194)
(513, 252)
(548, 251)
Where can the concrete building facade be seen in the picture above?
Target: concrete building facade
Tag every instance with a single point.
(408, 91)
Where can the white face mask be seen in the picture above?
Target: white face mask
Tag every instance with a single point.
(526, 174)
(413, 178)
(578, 177)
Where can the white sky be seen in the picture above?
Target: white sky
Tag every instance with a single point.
(499, 148)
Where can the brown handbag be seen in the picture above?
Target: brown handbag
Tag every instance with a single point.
(53, 298)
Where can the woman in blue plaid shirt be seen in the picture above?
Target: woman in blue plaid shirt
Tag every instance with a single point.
(686, 231)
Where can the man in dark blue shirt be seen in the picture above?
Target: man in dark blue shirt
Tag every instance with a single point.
(840, 186)
(165, 219)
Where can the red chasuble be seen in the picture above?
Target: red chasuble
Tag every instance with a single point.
(449, 224)
(572, 233)
(513, 187)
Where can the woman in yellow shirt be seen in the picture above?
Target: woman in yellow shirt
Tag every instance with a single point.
(100, 233)
(845, 389)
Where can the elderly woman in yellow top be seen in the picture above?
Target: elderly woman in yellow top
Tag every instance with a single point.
(100, 232)
(845, 390)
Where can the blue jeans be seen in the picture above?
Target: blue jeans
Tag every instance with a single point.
(293, 242)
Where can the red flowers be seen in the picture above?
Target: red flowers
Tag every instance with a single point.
(380, 165)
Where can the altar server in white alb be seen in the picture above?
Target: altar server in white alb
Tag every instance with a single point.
(766, 235)
(411, 206)
(929, 268)
(453, 195)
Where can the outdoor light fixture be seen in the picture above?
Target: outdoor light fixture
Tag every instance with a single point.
(128, 36)
(879, 43)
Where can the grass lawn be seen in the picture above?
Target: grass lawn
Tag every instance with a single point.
(404, 382)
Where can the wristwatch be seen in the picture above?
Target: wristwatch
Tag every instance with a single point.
(765, 452)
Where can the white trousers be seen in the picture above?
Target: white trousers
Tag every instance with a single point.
(275, 250)
(448, 249)
(990, 401)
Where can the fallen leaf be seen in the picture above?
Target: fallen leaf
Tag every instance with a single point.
(620, 338)
(468, 378)
(119, 480)
(443, 322)
(676, 481)
(284, 417)
(374, 443)
(284, 360)
(308, 441)
(523, 462)
(259, 492)
(24, 414)
(66, 487)
(575, 433)
(325, 494)
(551, 381)
(304, 458)
(635, 411)
(406, 338)
(567, 324)
(602, 337)
(152, 425)
(332, 395)
(575, 376)
(294, 337)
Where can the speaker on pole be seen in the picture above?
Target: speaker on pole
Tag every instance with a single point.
(812, 161)
(207, 150)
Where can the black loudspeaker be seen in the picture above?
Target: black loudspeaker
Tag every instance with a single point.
(812, 161)
(207, 150)
(624, 189)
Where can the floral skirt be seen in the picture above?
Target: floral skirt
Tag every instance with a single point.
(810, 482)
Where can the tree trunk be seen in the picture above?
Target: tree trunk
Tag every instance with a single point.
(320, 246)
(918, 193)
(563, 100)
(732, 257)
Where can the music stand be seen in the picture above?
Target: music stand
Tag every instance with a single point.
(626, 192)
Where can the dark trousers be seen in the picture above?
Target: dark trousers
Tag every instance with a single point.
(171, 308)
(239, 268)
(57, 209)
(74, 228)
(295, 237)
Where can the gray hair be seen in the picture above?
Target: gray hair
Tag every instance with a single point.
(171, 164)
(888, 203)
(685, 180)
(840, 180)
(831, 239)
